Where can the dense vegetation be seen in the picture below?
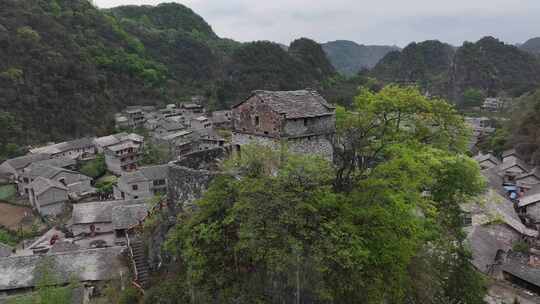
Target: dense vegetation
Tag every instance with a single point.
(67, 66)
(488, 65)
(520, 130)
(349, 58)
(381, 226)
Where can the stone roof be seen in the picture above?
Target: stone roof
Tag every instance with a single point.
(122, 146)
(509, 152)
(124, 217)
(114, 139)
(144, 174)
(511, 163)
(201, 118)
(169, 125)
(65, 146)
(155, 172)
(59, 162)
(529, 200)
(42, 184)
(191, 106)
(534, 172)
(177, 134)
(221, 116)
(522, 270)
(97, 212)
(296, 104)
(86, 265)
(36, 170)
(487, 157)
(23, 161)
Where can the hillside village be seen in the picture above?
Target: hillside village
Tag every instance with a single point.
(96, 236)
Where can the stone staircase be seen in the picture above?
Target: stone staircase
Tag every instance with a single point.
(140, 263)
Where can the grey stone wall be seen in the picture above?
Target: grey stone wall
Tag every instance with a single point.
(190, 176)
(316, 144)
(309, 126)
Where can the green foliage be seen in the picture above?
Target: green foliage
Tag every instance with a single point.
(276, 228)
(521, 246)
(8, 238)
(440, 69)
(473, 98)
(349, 58)
(129, 295)
(13, 74)
(95, 168)
(154, 154)
(47, 291)
(29, 34)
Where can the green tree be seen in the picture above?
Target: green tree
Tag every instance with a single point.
(473, 98)
(95, 168)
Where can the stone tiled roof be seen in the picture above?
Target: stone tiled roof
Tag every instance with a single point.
(144, 174)
(41, 184)
(124, 217)
(23, 161)
(114, 139)
(169, 125)
(487, 157)
(509, 152)
(155, 172)
(529, 199)
(97, 212)
(175, 135)
(60, 162)
(85, 265)
(522, 270)
(65, 146)
(296, 104)
(511, 163)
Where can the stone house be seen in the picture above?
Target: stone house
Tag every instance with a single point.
(79, 149)
(126, 217)
(165, 126)
(209, 139)
(146, 182)
(131, 118)
(78, 184)
(487, 161)
(106, 141)
(222, 119)
(192, 109)
(47, 196)
(303, 121)
(123, 157)
(493, 104)
(178, 143)
(201, 123)
(96, 216)
(12, 168)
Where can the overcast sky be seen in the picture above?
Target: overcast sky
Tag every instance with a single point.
(368, 22)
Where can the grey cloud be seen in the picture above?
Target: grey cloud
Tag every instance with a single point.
(370, 22)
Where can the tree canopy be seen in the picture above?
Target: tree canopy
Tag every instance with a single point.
(274, 228)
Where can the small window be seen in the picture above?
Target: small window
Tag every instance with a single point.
(266, 132)
(135, 197)
(257, 121)
(305, 122)
(135, 187)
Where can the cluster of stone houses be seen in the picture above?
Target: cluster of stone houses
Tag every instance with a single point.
(508, 215)
(100, 232)
(181, 129)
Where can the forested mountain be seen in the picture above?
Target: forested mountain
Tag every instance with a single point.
(488, 65)
(349, 58)
(68, 66)
(426, 63)
(532, 46)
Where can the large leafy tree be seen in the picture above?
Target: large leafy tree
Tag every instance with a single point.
(276, 229)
